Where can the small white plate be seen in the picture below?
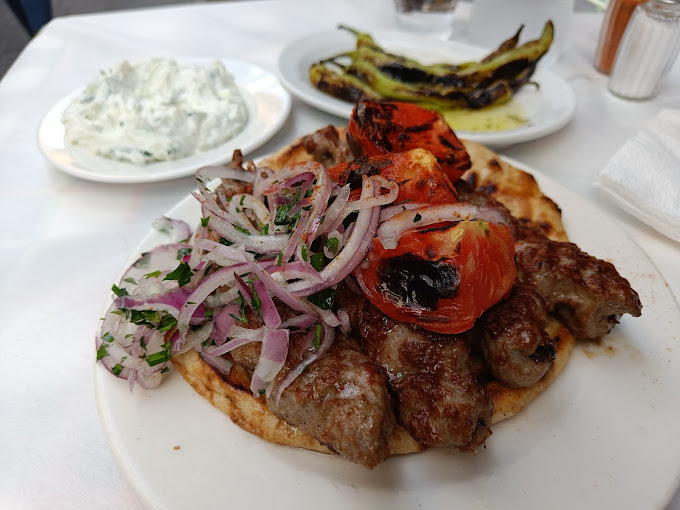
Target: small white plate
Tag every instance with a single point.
(547, 108)
(601, 436)
(268, 106)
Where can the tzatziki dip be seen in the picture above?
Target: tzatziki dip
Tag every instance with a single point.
(155, 110)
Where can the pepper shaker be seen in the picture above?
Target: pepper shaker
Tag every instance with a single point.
(647, 51)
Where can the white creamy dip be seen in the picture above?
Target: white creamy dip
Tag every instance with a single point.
(156, 110)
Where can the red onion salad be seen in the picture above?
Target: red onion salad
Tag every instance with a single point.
(290, 236)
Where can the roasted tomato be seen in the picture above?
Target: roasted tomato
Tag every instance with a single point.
(417, 172)
(378, 128)
(442, 277)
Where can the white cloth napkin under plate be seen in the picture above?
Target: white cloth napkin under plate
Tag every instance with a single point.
(643, 177)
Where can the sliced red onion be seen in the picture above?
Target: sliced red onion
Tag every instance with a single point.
(270, 314)
(281, 292)
(354, 251)
(223, 322)
(272, 357)
(391, 230)
(257, 243)
(217, 362)
(387, 212)
(177, 229)
(299, 322)
(140, 277)
(224, 276)
(332, 214)
(329, 336)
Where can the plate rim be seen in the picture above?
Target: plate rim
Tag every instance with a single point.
(185, 168)
(103, 378)
(343, 109)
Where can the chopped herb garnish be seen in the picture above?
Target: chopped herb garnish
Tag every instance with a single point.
(183, 252)
(164, 369)
(281, 217)
(204, 221)
(324, 298)
(160, 357)
(118, 291)
(317, 337)
(131, 280)
(305, 257)
(155, 274)
(107, 337)
(182, 274)
(117, 369)
(317, 260)
(255, 302)
(279, 259)
(332, 244)
(142, 343)
(166, 323)
(242, 230)
(243, 198)
(225, 242)
(102, 352)
(148, 318)
(264, 229)
(417, 217)
(241, 319)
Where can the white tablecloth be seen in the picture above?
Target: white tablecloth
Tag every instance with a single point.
(64, 240)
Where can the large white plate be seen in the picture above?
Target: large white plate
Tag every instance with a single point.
(602, 436)
(268, 106)
(547, 108)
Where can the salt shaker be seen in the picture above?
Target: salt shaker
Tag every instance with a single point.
(616, 17)
(647, 51)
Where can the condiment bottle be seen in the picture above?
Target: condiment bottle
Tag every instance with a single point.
(616, 18)
(647, 51)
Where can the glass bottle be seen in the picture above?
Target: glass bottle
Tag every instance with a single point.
(647, 51)
(616, 18)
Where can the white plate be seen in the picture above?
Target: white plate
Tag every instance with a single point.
(268, 106)
(602, 436)
(548, 108)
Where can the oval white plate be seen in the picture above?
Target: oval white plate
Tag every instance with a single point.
(547, 108)
(268, 106)
(602, 436)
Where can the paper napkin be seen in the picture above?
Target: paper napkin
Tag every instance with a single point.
(643, 177)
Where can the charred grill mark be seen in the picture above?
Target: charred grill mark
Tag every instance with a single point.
(544, 353)
(363, 166)
(417, 282)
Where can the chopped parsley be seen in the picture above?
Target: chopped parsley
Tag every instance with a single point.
(102, 352)
(166, 323)
(332, 244)
(119, 291)
(182, 274)
(317, 337)
(317, 260)
(204, 221)
(160, 357)
(155, 274)
(324, 299)
(117, 369)
(183, 252)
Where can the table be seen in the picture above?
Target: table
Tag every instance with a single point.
(64, 239)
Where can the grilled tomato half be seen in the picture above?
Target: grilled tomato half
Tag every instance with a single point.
(441, 277)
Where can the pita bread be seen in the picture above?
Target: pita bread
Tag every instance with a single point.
(511, 186)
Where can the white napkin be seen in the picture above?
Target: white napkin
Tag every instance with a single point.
(643, 177)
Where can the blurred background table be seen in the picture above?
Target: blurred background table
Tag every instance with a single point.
(65, 239)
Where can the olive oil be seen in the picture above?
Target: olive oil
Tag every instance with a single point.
(503, 117)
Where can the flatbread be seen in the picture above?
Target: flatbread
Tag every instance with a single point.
(516, 189)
